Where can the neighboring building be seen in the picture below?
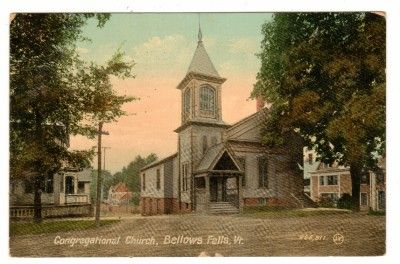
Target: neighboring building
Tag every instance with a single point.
(64, 193)
(332, 181)
(119, 194)
(310, 164)
(220, 167)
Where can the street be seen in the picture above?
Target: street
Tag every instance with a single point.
(189, 235)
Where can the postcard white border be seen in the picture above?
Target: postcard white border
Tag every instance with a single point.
(393, 105)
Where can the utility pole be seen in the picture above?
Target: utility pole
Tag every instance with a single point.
(104, 169)
(99, 176)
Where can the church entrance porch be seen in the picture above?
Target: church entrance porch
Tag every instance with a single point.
(219, 193)
(224, 189)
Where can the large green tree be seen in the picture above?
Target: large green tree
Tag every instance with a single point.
(54, 94)
(324, 75)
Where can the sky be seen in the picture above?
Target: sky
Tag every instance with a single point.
(162, 46)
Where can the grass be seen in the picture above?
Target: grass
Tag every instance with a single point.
(46, 227)
(264, 211)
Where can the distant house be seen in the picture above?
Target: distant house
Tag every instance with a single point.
(310, 164)
(119, 194)
(332, 181)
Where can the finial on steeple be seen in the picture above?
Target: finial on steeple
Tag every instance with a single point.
(200, 35)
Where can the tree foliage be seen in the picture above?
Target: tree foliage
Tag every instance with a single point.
(324, 74)
(129, 174)
(54, 94)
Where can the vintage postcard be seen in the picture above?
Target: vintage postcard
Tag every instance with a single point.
(197, 134)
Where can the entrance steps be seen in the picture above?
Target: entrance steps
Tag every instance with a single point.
(223, 208)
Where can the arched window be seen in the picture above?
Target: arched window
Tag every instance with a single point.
(205, 145)
(207, 100)
(186, 103)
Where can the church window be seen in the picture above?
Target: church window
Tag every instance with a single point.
(205, 145)
(158, 179)
(185, 178)
(144, 182)
(207, 100)
(242, 161)
(263, 172)
(186, 106)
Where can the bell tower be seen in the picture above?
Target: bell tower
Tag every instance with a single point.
(201, 89)
(201, 126)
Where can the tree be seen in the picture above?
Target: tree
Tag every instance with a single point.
(54, 94)
(324, 74)
(131, 173)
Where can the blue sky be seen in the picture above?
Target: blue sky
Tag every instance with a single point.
(231, 39)
(162, 46)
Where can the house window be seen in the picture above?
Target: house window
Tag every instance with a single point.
(306, 182)
(158, 179)
(381, 200)
(186, 104)
(310, 158)
(380, 178)
(207, 100)
(321, 180)
(81, 187)
(262, 172)
(364, 179)
(49, 184)
(144, 182)
(242, 161)
(69, 185)
(332, 179)
(363, 199)
(204, 144)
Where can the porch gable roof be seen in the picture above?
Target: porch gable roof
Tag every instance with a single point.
(213, 156)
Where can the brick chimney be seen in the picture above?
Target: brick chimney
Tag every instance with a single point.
(260, 103)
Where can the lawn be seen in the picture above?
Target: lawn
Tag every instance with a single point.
(263, 211)
(46, 227)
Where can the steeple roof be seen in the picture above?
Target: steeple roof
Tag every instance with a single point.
(201, 62)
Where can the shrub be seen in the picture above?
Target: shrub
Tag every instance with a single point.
(345, 202)
(326, 202)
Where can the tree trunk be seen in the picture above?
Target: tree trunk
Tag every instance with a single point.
(37, 200)
(355, 172)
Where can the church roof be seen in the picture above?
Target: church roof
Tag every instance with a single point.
(201, 62)
(213, 155)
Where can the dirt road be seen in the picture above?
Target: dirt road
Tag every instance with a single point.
(188, 235)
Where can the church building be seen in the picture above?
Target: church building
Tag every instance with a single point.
(220, 167)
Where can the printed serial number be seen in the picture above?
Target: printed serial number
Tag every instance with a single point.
(312, 237)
